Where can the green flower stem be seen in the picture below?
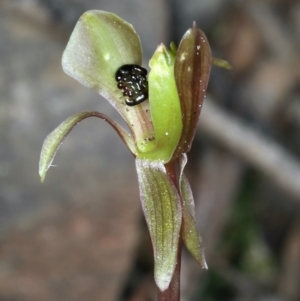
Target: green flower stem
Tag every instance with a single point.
(172, 293)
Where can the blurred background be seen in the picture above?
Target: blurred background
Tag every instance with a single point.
(81, 235)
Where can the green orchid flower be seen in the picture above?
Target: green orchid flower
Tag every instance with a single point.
(162, 123)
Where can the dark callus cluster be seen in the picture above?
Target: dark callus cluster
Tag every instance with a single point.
(132, 80)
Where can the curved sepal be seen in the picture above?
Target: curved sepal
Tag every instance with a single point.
(56, 137)
(192, 70)
(189, 232)
(162, 210)
(100, 43)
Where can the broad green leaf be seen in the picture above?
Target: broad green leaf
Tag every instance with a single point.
(55, 138)
(162, 210)
(192, 70)
(100, 43)
(189, 232)
(164, 105)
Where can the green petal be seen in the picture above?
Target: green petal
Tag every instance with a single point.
(192, 70)
(55, 138)
(190, 236)
(162, 210)
(100, 43)
(164, 105)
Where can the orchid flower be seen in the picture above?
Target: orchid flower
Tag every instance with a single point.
(161, 127)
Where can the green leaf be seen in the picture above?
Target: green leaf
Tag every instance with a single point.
(190, 236)
(55, 138)
(192, 70)
(164, 105)
(162, 210)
